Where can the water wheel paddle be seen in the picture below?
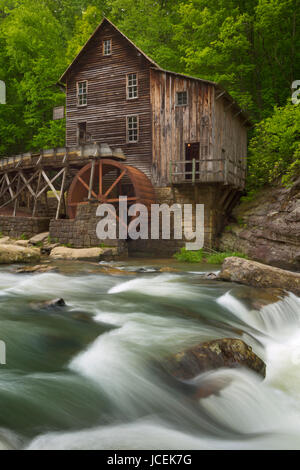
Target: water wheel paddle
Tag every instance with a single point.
(105, 181)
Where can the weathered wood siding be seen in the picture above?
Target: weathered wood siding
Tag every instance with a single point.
(108, 107)
(174, 126)
(221, 133)
(230, 142)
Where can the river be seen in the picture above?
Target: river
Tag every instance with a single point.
(86, 377)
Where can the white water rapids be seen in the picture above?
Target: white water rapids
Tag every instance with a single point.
(104, 391)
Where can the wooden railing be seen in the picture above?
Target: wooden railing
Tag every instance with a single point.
(216, 170)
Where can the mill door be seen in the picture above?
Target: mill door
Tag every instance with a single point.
(191, 153)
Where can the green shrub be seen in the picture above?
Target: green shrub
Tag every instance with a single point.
(218, 258)
(200, 256)
(189, 256)
(274, 150)
(24, 236)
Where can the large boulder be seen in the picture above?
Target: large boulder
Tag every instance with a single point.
(66, 253)
(257, 298)
(267, 228)
(39, 238)
(18, 254)
(5, 241)
(257, 274)
(216, 354)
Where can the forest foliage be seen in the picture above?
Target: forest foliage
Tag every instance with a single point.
(251, 47)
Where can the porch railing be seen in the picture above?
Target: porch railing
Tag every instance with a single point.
(215, 170)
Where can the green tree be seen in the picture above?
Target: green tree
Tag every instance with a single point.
(274, 150)
(252, 48)
(30, 63)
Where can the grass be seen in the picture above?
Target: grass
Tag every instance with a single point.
(218, 258)
(24, 237)
(189, 256)
(202, 256)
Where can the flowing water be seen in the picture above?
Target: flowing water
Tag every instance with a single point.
(86, 377)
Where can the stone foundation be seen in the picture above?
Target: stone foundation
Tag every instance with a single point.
(81, 231)
(15, 227)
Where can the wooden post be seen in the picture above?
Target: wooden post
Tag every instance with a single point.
(36, 195)
(193, 171)
(170, 172)
(91, 179)
(17, 198)
(62, 191)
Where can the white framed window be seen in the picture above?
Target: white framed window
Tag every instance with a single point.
(82, 91)
(181, 98)
(107, 48)
(132, 86)
(132, 128)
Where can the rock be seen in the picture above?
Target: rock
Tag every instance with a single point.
(268, 228)
(107, 254)
(40, 268)
(81, 316)
(50, 304)
(40, 238)
(257, 274)
(226, 352)
(10, 254)
(168, 269)
(62, 252)
(22, 243)
(211, 276)
(116, 271)
(48, 247)
(5, 241)
(147, 270)
(256, 298)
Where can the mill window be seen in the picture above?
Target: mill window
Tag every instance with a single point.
(132, 86)
(107, 47)
(132, 128)
(182, 98)
(82, 90)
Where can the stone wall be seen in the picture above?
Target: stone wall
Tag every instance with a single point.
(15, 227)
(81, 231)
(214, 217)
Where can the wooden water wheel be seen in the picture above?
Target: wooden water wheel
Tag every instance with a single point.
(105, 181)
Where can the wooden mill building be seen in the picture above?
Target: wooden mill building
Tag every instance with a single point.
(161, 136)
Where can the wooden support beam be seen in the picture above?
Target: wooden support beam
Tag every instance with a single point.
(9, 185)
(50, 183)
(62, 192)
(36, 193)
(17, 198)
(221, 94)
(91, 179)
(27, 184)
(20, 190)
(239, 112)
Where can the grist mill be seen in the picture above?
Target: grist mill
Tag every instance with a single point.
(135, 130)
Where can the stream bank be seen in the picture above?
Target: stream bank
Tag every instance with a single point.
(267, 228)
